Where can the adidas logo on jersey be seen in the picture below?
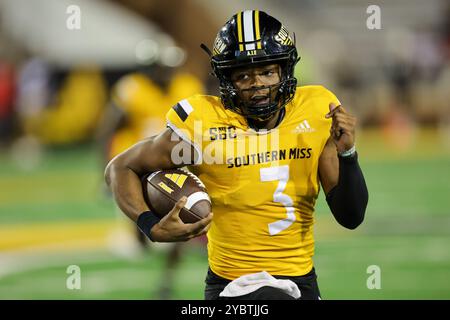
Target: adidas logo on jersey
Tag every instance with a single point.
(303, 127)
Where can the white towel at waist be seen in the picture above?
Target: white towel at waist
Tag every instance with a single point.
(251, 282)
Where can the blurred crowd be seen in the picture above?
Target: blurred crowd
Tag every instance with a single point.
(408, 85)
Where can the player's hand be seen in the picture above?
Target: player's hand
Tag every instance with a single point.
(172, 229)
(342, 128)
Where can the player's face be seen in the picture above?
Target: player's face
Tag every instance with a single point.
(253, 83)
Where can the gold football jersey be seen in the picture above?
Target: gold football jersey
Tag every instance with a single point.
(263, 184)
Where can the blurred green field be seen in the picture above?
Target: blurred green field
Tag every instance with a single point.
(58, 214)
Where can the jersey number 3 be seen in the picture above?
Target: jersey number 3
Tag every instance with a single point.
(280, 174)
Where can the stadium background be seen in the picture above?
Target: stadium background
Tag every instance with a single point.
(61, 88)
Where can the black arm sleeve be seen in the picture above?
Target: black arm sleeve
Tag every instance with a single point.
(348, 199)
(145, 223)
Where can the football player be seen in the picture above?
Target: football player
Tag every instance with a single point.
(263, 195)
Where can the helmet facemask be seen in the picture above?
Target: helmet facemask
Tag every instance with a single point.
(279, 94)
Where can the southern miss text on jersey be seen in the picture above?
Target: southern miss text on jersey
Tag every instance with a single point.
(263, 185)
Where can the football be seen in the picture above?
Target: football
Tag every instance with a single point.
(162, 189)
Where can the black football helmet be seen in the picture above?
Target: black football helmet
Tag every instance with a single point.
(252, 38)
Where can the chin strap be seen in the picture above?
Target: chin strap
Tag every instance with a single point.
(281, 116)
(252, 122)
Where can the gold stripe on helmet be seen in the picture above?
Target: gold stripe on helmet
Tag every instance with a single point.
(240, 31)
(258, 34)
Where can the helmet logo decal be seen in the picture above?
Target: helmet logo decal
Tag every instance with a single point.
(283, 37)
(219, 45)
(248, 30)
